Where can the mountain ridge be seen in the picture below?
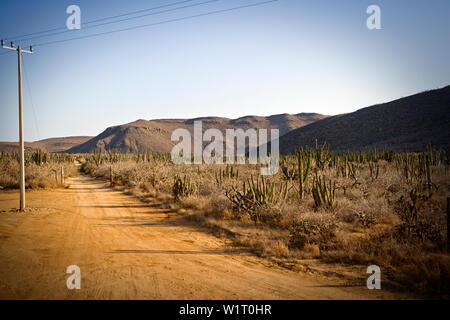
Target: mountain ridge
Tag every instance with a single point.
(57, 144)
(143, 135)
(407, 124)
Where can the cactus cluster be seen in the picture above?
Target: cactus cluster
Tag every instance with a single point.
(182, 187)
(151, 156)
(144, 157)
(113, 156)
(228, 173)
(257, 193)
(417, 168)
(97, 158)
(39, 157)
(323, 193)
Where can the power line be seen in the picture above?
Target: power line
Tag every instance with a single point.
(31, 99)
(157, 23)
(18, 37)
(6, 52)
(121, 20)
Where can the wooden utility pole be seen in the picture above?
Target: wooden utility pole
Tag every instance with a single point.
(21, 139)
(21, 142)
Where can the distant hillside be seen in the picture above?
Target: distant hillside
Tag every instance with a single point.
(154, 135)
(12, 147)
(409, 123)
(47, 145)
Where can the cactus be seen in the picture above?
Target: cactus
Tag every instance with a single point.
(182, 187)
(256, 194)
(38, 157)
(374, 170)
(323, 194)
(406, 163)
(304, 165)
(322, 155)
(113, 156)
(228, 173)
(97, 158)
(417, 167)
(344, 170)
(353, 170)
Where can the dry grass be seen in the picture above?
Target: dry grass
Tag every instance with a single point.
(37, 176)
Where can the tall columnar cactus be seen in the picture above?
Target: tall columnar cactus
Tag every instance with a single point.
(304, 165)
(228, 173)
(344, 168)
(374, 170)
(323, 194)
(408, 166)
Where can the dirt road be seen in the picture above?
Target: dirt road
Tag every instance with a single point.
(130, 250)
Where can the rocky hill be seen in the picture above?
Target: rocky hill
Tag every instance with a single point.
(409, 124)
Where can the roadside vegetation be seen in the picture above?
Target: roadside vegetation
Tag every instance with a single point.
(354, 208)
(42, 170)
(351, 209)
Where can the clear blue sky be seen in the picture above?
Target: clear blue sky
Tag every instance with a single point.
(289, 56)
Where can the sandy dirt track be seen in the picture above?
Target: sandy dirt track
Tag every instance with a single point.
(130, 250)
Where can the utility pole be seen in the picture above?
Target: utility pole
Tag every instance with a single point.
(21, 140)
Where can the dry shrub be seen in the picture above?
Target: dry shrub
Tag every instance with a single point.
(277, 248)
(148, 188)
(421, 218)
(36, 176)
(312, 230)
(402, 261)
(312, 250)
(198, 203)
